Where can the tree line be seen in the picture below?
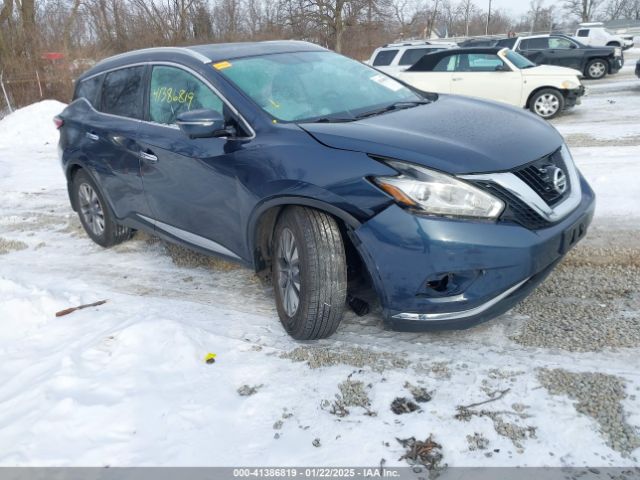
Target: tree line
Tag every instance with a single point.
(93, 29)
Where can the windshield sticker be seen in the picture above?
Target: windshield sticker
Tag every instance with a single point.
(387, 82)
(221, 65)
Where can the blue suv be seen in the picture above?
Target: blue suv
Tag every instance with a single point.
(324, 175)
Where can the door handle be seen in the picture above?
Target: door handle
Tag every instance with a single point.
(92, 136)
(456, 79)
(149, 157)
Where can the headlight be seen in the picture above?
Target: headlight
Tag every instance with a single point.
(570, 85)
(438, 194)
(618, 52)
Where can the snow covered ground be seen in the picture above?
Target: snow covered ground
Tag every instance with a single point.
(126, 383)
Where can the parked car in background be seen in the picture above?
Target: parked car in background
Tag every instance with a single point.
(396, 57)
(320, 172)
(561, 50)
(497, 74)
(478, 42)
(596, 35)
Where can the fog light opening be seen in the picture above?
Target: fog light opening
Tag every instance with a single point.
(439, 284)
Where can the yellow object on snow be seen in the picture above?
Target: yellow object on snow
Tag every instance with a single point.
(210, 358)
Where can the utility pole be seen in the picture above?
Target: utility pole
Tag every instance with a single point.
(486, 30)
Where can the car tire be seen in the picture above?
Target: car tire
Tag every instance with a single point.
(596, 69)
(309, 273)
(547, 103)
(96, 218)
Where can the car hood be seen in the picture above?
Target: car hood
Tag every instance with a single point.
(453, 134)
(550, 70)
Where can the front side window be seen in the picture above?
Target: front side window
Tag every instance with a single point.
(555, 42)
(122, 92)
(174, 91)
(304, 86)
(89, 89)
(483, 62)
(412, 55)
(583, 33)
(384, 58)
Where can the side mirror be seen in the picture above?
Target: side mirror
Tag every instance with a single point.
(502, 68)
(573, 45)
(203, 124)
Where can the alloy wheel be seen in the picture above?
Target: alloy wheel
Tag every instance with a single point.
(597, 70)
(547, 105)
(288, 266)
(91, 209)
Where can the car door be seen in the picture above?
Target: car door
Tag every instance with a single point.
(437, 79)
(110, 145)
(486, 75)
(535, 49)
(565, 53)
(190, 184)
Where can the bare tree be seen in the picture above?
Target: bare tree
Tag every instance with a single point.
(583, 9)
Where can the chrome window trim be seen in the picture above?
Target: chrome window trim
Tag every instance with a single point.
(252, 133)
(463, 313)
(527, 195)
(191, 237)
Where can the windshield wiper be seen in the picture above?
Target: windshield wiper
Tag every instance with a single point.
(394, 106)
(332, 120)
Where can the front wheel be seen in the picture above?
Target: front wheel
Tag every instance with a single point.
(596, 69)
(309, 273)
(547, 103)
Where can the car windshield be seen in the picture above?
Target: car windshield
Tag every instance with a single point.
(518, 60)
(315, 86)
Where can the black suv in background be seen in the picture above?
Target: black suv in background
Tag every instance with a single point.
(564, 51)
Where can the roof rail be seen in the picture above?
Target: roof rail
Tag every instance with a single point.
(185, 50)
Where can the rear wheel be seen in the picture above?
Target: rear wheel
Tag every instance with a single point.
(309, 273)
(96, 219)
(596, 69)
(547, 103)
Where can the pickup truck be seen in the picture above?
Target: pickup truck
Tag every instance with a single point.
(594, 34)
(564, 51)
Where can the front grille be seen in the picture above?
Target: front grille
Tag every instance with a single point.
(538, 176)
(515, 210)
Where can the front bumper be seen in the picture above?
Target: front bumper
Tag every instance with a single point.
(433, 273)
(616, 64)
(573, 97)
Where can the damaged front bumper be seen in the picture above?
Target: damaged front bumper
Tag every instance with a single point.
(574, 96)
(434, 272)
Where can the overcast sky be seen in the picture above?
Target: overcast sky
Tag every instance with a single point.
(515, 7)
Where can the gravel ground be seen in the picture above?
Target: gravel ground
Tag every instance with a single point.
(318, 357)
(591, 302)
(7, 246)
(598, 396)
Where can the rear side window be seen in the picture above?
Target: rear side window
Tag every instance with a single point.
(122, 92)
(412, 55)
(583, 33)
(385, 57)
(174, 91)
(535, 44)
(447, 64)
(89, 89)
